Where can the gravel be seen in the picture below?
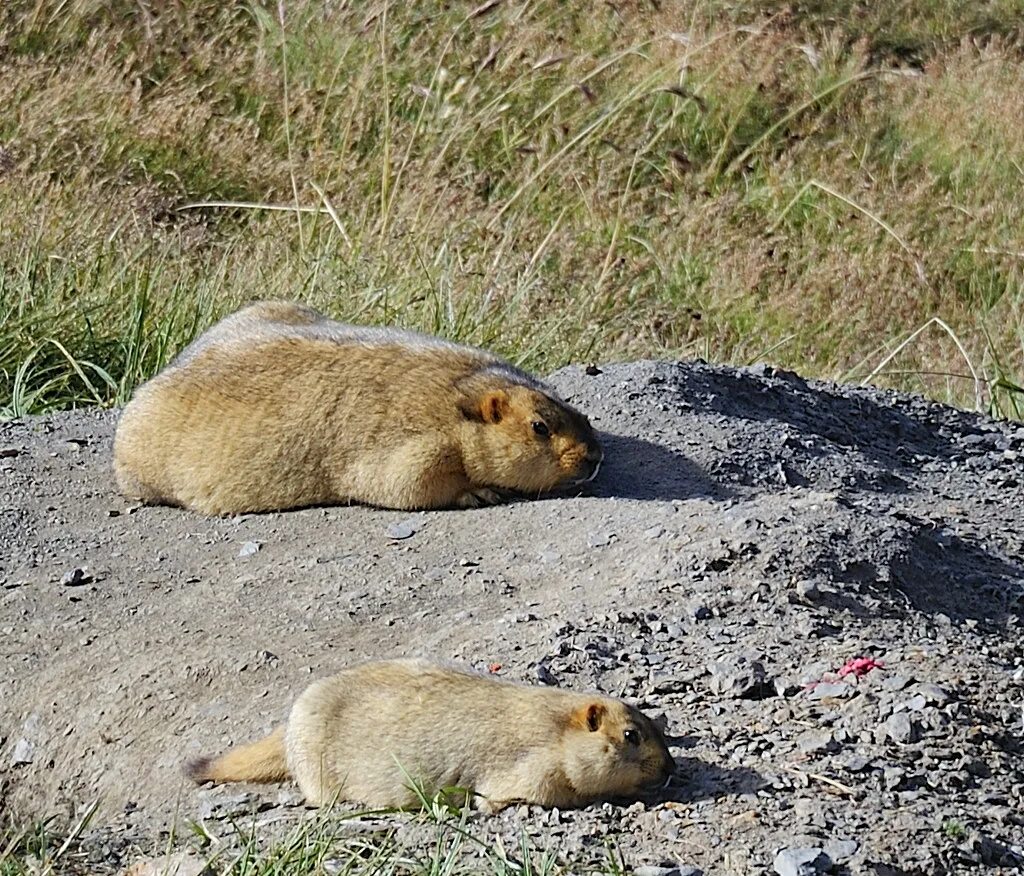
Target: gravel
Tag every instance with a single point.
(750, 534)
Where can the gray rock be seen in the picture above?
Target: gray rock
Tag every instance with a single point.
(815, 741)
(826, 689)
(899, 728)
(75, 578)
(801, 862)
(216, 804)
(700, 612)
(546, 676)
(915, 703)
(23, 753)
(855, 763)
(178, 864)
(405, 528)
(807, 589)
(741, 678)
(249, 548)
(841, 851)
(934, 694)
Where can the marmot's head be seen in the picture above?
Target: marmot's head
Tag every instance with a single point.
(521, 438)
(614, 750)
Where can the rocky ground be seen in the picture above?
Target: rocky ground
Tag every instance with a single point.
(750, 537)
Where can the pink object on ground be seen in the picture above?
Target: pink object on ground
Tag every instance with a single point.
(859, 666)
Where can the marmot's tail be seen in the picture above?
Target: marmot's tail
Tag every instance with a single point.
(262, 761)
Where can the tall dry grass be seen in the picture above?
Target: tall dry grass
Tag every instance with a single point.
(557, 181)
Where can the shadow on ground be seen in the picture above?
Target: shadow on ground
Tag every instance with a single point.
(635, 468)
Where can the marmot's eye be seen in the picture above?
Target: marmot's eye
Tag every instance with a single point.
(632, 736)
(541, 429)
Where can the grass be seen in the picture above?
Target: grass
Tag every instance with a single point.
(954, 830)
(440, 840)
(692, 177)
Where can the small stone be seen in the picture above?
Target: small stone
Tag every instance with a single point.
(249, 548)
(180, 864)
(23, 753)
(814, 741)
(934, 694)
(978, 768)
(826, 689)
(599, 539)
(405, 528)
(841, 850)
(801, 862)
(215, 804)
(740, 678)
(895, 682)
(700, 612)
(915, 704)
(854, 763)
(653, 532)
(75, 578)
(892, 776)
(545, 675)
(267, 657)
(898, 728)
(807, 590)
(655, 870)
(289, 797)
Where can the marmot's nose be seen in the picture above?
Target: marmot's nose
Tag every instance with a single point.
(591, 465)
(665, 774)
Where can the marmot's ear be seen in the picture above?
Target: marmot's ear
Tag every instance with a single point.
(494, 407)
(591, 716)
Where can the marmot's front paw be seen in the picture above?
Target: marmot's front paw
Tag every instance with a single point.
(479, 496)
(489, 807)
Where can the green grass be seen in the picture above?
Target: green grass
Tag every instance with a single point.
(954, 830)
(440, 840)
(553, 181)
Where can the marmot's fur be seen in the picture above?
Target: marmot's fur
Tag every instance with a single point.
(278, 407)
(368, 733)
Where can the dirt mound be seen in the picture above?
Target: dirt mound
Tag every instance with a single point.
(750, 534)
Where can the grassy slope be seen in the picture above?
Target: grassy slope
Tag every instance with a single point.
(560, 181)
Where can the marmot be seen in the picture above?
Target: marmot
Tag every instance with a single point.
(278, 407)
(365, 734)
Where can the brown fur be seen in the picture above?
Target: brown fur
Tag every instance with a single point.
(366, 734)
(278, 407)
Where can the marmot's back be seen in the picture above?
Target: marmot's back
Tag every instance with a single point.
(278, 407)
(267, 321)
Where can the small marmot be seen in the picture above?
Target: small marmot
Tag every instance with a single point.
(367, 733)
(279, 407)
